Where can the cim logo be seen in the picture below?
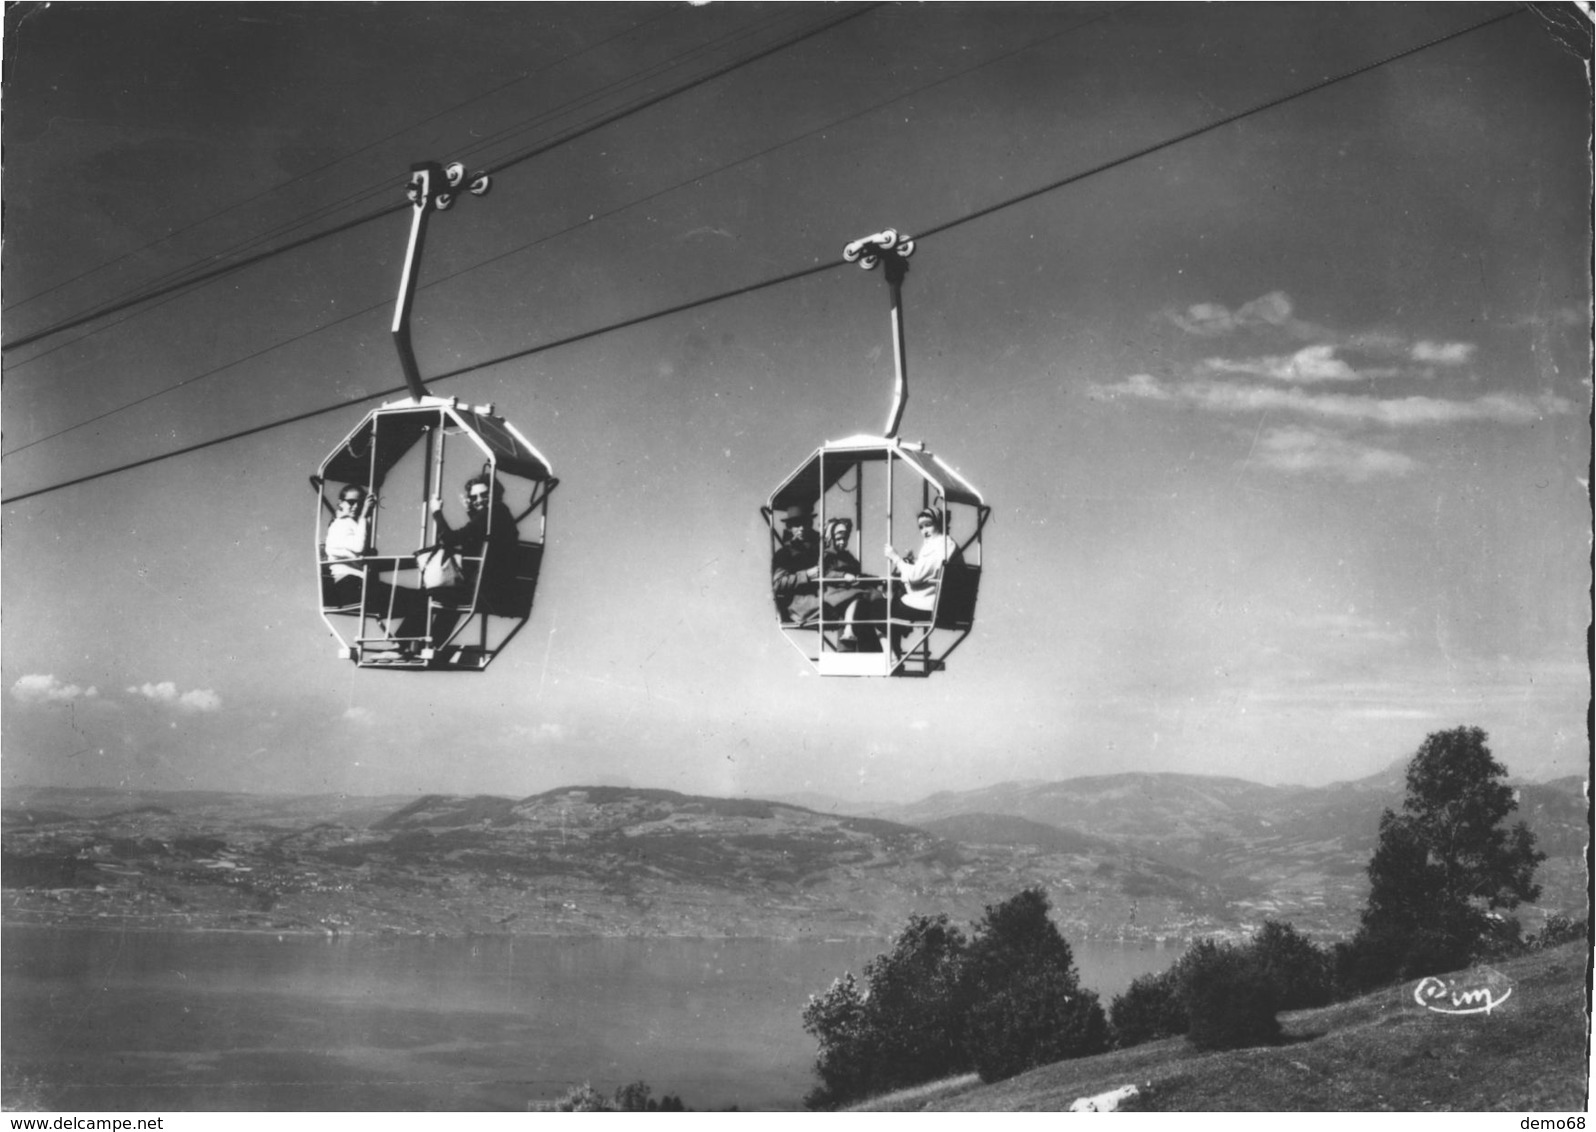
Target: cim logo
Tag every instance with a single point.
(1478, 991)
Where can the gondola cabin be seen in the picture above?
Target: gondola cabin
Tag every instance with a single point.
(875, 543)
(847, 605)
(431, 522)
(431, 515)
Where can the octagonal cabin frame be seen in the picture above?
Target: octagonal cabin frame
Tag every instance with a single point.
(881, 484)
(408, 453)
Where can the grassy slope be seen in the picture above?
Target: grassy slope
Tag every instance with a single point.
(1381, 1052)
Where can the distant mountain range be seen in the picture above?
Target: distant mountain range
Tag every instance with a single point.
(1203, 820)
(1128, 856)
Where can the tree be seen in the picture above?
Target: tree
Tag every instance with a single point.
(1229, 1001)
(1299, 971)
(635, 1098)
(1027, 1005)
(1148, 1009)
(1037, 1018)
(583, 1098)
(937, 1005)
(904, 1027)
(1443, 866)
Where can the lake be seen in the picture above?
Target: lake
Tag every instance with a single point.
(185, 1021)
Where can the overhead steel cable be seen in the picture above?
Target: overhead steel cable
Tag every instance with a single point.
(481, 145)
(582, 131)
(173, 284)
(204, 277)
(695, 179)
(788, 277)
(1208, 127)
(339, 160)
(580, 336)
(178, 276)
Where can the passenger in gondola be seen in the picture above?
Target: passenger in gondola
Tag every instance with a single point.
(795, 567)
(348, 542)
(920, 572)
(498, 539)
(854, 601)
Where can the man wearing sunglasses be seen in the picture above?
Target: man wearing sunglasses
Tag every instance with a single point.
(483, 499)
(490, 530)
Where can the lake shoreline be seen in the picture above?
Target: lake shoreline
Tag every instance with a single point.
(32, 919)
(102, 1016)
(145, 925)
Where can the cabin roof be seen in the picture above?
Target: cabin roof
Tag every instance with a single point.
(396, 427)
(838, 457)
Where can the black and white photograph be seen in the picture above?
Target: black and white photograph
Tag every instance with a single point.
(795, 557)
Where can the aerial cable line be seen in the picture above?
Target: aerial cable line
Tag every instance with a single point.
(791, 276)
(203, 277)
(591, 127)
(178, 277)
(719, 72)
(604, 118)
(173, 281)
(382, 188)
(579, 336)
(696, 178)
(1208, 127)
(731, 38)
(336, 161)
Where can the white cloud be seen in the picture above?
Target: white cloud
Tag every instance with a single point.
(364, 717)
(1310, 451)
(1443, 353)
(1314, 363)
(1393, 412)
(1396, 713)
(200, 699)
(197, 700)
(1347, 626)
(165, 692)
(1274, 312)
(1142, 386)
(1560, 316)
(1320, 363)
(1209, 320)
(541, 733)
(36, 689)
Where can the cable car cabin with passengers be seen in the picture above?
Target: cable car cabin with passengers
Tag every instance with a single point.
(405, 580)
(855, 594)
(404, 585)
(846, 604)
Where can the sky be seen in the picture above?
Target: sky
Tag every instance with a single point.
(1285, 423)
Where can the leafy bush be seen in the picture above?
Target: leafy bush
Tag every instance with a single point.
(1299, 971)
(1559, 930)
(1150, 1008)
(1502, 937)
(1026, 1003)
(937, 1005)
(583, 1098)
(1230, 1002)
(1037, 1019)
(635, 1097)
(903, 1028)
(1381, 954)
